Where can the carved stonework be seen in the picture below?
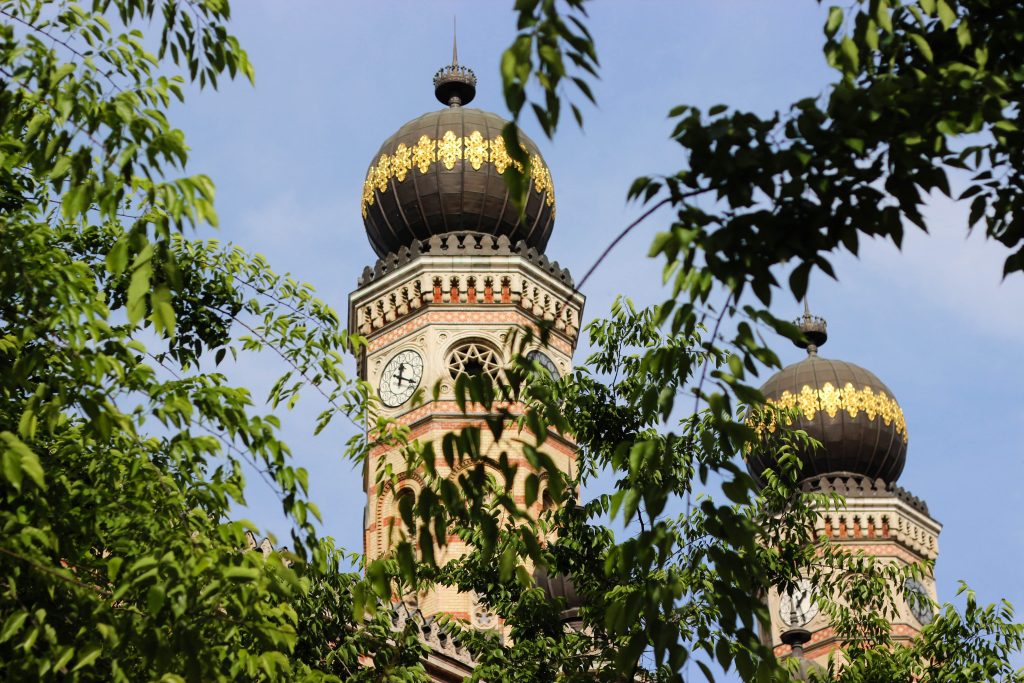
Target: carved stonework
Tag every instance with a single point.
(483, 618)
(465, 269)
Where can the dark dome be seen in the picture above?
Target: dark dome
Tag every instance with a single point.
(847, 408)
(443, 172)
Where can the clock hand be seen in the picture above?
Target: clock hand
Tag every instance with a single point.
(399, 377)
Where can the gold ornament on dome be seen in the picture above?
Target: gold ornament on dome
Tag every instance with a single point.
(382, 173)
(499, 155)
(474, 149)
(423, 153)
(831, 400)
(449, 149)
(401, 162)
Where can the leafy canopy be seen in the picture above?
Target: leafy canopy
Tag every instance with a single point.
(124, 449)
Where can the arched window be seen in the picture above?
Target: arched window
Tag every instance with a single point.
(403, 494)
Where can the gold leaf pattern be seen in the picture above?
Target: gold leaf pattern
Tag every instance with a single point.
(368, 190)
(474, 149)
(382, 173)
(499, 155)
(831, 399)
(423, 154)
(853, 401)
(449, 150)
(537, 173)
(550, 197)
(401, 162)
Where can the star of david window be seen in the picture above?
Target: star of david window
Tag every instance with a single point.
(474, 358)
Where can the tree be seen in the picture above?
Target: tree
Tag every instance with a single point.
(123, 446)
(927, 91)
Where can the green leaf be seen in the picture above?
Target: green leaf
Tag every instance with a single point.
(163, 311)
(142, 272)
(883, 16)
(922, 46)
(155, 598)
(377, 575)
(117, 257)
(242, 574)
(12, 469)
(12, 625)
(946, 14)
(850, 51)
(19, 460)
(834, 21)
(87, 655)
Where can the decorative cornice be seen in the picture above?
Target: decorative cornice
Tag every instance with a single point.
(441, 639)
(463, 244)
(446, 149)
(858, 486)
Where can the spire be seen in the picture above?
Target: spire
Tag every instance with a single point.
(455, 43)
(814, 329)
(455, 85)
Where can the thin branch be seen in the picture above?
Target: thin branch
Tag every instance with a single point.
(629, 228)
(65, 43)
(292, 364)
(621, 236)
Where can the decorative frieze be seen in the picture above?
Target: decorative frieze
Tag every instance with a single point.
(465, 269)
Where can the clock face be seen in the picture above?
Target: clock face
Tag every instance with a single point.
(798, 608)
(400, 378)
(917, 598)
(545, 362)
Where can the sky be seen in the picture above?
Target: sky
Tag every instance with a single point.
(934, 321)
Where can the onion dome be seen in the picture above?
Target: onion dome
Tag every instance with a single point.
(845, 407)
(444, 172)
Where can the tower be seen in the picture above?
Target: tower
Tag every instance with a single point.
(863, 436)
(458, 267)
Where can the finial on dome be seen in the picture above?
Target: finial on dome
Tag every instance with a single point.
(455, 41)
(455, 85)
(814, 330)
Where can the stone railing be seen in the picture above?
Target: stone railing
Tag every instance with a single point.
(857, 486)
(463, 244)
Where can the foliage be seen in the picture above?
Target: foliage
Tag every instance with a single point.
(927, 99)
(123, 447)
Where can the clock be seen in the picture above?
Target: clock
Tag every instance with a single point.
(798, 607)
(541, 359)
(917, 599)
(400, 378)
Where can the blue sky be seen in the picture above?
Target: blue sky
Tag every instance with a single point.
(334, 79)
